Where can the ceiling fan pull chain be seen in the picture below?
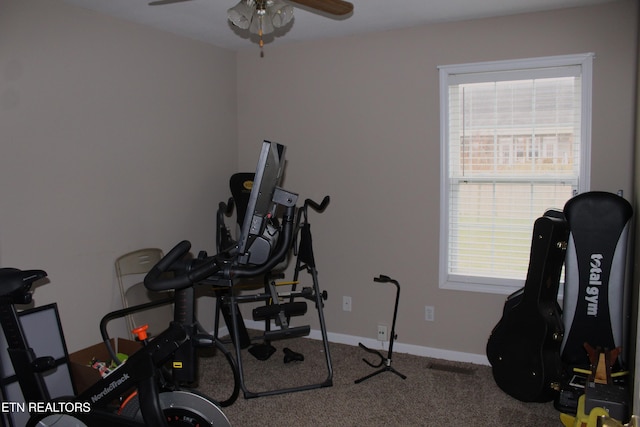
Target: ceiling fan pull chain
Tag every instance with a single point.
(260, 35)
(261, 46)
(261, 12)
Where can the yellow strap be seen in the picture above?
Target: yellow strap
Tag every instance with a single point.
(619, 374)
(295, 282)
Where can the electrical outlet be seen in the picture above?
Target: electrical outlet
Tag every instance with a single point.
(346, 303)
(382, 333)
(429, 313)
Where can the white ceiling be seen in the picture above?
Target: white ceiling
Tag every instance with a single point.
(206, 20)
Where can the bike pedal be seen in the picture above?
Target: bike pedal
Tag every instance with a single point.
(42, 364)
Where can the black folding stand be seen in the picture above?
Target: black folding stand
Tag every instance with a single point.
(384, 361)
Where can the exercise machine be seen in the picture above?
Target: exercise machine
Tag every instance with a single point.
(95, 406)
(386, 361)
(280, 307)
(255, 197)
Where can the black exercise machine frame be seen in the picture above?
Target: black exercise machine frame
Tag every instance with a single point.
(228, 301)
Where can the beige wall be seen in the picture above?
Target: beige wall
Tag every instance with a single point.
(113, 137)
(360, 118)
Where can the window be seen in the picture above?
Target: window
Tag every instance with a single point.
(515, 141)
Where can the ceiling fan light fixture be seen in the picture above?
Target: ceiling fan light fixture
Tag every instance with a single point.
(280, 12)
(240, 15)
(261, 23)
(260, 16)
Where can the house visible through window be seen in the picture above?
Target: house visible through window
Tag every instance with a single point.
(514, 143)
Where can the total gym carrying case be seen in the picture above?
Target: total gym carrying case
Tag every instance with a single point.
(594, 303)
(594, 290)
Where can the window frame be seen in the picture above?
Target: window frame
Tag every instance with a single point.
(518, 67)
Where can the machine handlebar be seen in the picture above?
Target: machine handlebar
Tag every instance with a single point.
(318, 207)
(199, 270)
(154, 280)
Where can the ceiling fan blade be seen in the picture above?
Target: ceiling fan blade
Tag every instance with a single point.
(161, 2)
(333, 7)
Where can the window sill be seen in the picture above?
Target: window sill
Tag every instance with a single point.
(482, 288)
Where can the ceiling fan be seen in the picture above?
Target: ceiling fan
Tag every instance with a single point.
(262, 16)
(333, 7)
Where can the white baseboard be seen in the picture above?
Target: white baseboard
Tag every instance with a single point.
(398, 347)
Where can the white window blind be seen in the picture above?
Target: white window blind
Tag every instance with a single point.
(515, 140)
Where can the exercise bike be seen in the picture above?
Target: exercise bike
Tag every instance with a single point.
(183, 364)
(95, 406)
